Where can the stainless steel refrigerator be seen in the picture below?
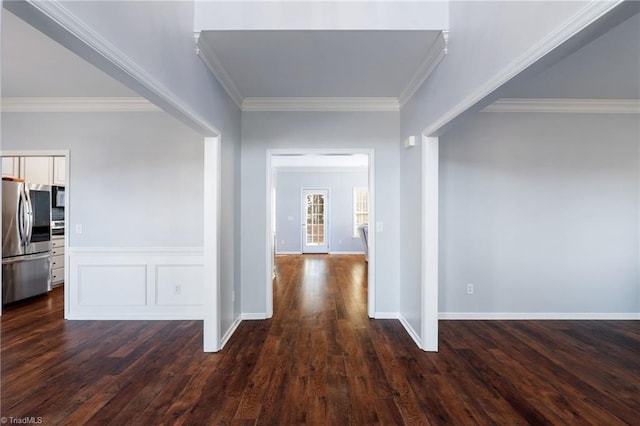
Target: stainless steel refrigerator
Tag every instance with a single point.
(26, 240)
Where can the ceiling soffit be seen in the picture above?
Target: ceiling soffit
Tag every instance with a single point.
(321, 70)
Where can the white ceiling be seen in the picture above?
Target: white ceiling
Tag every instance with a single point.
(33, 65)
(301, 64)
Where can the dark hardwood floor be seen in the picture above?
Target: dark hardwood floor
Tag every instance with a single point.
(318, 361)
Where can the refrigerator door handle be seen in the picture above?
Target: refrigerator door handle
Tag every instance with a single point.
(22, 218)
(29, 217)
(37, 256)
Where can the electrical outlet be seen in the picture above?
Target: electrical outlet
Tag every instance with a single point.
(469, 288)
(178, 289)
(78, 228)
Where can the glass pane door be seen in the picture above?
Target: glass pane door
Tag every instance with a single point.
(314, 204)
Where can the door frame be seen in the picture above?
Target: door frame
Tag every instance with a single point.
(67, 208)
(270, 219)
(303, 218)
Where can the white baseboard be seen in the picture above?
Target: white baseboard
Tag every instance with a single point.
(537, 316)
(346, 252)
(416, 338)
(386, 315)
(253, 316)
(284, 253)
(229, 333)
(123, 283)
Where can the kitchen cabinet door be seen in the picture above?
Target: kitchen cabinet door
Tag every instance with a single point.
(59, 171)
(37, 169)
(11, 167)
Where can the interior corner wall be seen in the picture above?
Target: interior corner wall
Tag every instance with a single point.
(340, 184)
(541, 213)
(318, 130)
(229, 252)
(410, 298)
(485, 38)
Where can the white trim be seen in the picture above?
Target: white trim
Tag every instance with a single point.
(346, 252)
(570, 106)
(429, 272)
(130, 104)
(386, 315)
(286, 253)
(211, 232)
(232, 329)
(434, 56)
(537, 316)
(36, 153)
(215, 66)
(320, 104)
(258, 316)
(412, 333)
(97, 44)
(139, 251)
(591, 12)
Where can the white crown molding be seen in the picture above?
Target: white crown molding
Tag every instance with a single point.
(320, 104)
(436, 52)
(215, 66)
(78, 105)
(55, 11)
(571, 106)
(592, 11)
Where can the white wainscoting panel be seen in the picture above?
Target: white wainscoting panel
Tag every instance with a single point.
(112, 285)
(135, 283)
(179, 285)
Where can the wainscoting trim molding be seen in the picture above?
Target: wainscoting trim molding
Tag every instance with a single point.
(125, 283)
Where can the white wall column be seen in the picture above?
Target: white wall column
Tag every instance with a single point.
(212, 165)
(430, 206)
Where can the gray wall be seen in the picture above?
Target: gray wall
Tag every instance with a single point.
(340, 184)
(541, 213)
(135, 178)
(262, 131)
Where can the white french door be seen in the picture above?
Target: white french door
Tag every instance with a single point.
(315, 229)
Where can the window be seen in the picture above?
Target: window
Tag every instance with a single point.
(360, 208)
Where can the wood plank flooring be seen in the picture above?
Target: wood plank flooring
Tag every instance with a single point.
(318, 361)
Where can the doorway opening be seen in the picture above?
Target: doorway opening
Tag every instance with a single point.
(49, 170)
(305, 225)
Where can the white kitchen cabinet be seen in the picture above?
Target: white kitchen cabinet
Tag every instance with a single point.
(11, 167)
(37, 169)
(59, 171)
(57, 260)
